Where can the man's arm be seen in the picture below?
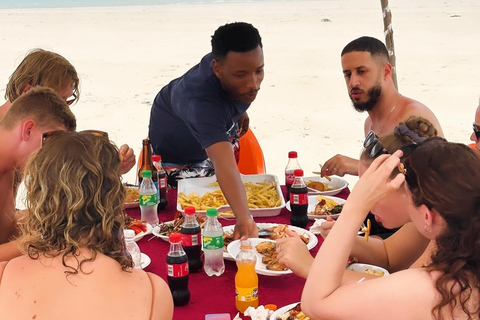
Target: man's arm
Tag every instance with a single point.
(221, 155)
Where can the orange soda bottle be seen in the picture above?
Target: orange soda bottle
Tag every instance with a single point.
(246, 279)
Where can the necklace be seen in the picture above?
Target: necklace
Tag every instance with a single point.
(384, 124)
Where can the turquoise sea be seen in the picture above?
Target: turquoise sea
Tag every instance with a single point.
(18, 4)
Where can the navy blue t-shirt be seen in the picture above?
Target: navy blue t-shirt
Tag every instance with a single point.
(190, 114)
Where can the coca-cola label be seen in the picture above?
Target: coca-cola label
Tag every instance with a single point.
(148, 199)
(289, 177)
(212, 243)
(190, 240)
(298, 198)
(163, 183)
(177, 270)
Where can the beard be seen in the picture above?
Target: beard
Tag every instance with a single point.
(373, 95)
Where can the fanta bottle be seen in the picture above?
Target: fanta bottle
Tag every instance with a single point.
(246, 279)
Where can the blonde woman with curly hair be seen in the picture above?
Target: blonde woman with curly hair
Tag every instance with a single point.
(74, 251)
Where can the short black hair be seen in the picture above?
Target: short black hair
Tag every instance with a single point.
(236, 36)
(367, 44)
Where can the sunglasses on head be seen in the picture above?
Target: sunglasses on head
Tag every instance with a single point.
(71, 99)
(48, 134)
(373, 145)
(476, 130)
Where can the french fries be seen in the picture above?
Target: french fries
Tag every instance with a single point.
(366, 230)
(131, 195)
(259, 195)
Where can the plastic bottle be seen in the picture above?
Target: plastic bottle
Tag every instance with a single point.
(246, 279)
(132, 248)
(292, 165)
(213, 245)
(147, 164)
(191, 240)
(299, 201)
(162, 182)
(148, 199)
(177, 271)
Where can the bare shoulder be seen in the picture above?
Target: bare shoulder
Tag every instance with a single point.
(162, 301)
(414, 108)
(2, 268)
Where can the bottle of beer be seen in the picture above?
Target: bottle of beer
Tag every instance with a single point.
(147, 164)
(162, 182)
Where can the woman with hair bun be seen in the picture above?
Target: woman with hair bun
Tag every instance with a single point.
(405, 248)
(441, 185)
(75, 264)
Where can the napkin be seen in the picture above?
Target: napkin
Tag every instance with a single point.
(258, 314)
(315, 228)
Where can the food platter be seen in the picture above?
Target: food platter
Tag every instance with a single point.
(312, 202)
(201, 186)
(313, 240)
(142, 234)
(282, 310)
(368, 268)
(336, 182)
(163, 236)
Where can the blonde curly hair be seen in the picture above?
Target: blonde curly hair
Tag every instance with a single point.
(75, 199)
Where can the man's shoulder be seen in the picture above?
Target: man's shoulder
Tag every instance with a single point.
(413, 107)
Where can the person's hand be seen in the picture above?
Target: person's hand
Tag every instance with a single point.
(376, 182)
(127, 158)
(243, 123)
(340, 165)
(326, 226)
(294, 254)
(245, 228)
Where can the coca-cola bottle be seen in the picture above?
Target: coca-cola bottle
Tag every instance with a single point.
(162, 182)
(292, 165)
(192, 240)
(177, 271)
(299, 201)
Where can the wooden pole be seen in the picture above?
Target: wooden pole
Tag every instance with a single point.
(388, 32)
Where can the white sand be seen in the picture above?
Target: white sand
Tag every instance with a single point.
(125, 55)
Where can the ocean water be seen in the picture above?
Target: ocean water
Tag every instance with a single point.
(24, 4)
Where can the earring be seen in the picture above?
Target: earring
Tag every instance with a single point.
(426, 229)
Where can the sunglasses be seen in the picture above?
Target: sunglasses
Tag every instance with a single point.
(373, 145)
(476, 130)
(71, 99)
(48, 134)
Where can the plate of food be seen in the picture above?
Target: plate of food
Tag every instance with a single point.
(265, 250)
(144, 260)
(321, 207)
(140, 227)
(131, 197)
(289, 312)
(264, 195)
(368, 268)
(164, 229)
(326, 186)
(278, 231)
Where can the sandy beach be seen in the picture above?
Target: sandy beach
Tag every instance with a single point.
(125, 55)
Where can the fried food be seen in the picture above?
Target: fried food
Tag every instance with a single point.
(366, 230)
(166, 228)
(279, 232)
(132, 195)
(295, 313)
(259, 195)
(327, 206)
(270, 259)
(374, 272)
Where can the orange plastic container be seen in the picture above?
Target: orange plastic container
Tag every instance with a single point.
(251, 159)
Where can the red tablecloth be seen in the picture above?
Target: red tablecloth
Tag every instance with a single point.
(217, 294)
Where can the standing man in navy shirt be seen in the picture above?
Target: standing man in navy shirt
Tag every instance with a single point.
(197, 119)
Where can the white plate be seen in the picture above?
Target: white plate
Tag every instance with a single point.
(142, 234)
(362, 267)
(156, 231)
(202, 186)
(312, 202)
(282, 310)
(334, 182)
(234, 248)
(144, 260)
(313, 240)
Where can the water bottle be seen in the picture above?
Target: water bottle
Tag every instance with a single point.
(148, 199)
(191, 240)
(246, 279)
(299, 201)
(162, 182)
(177, 271)
(132, 248)
(292, 165)
(213, 244)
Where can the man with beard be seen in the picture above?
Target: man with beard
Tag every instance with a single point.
(368, 75)
(197, 119)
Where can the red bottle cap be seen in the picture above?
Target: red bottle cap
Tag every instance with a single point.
(292, 154)
(298, 173)
(189, 210)
(156, 158)
(175, 237)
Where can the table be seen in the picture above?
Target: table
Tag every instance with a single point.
(217, 294)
